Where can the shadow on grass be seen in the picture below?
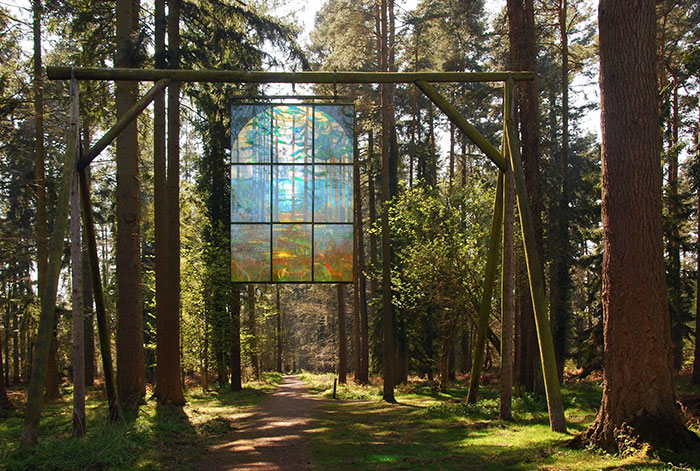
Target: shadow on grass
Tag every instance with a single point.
(377, 436)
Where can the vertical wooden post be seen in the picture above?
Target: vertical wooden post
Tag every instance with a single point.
(555, 404)
(78, 331)
(489, 279)
(115, 412)
(35, 399)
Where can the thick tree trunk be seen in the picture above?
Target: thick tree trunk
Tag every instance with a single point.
(76, 252)
(638, 395)
(251, 331)
(169, 385)
(523, 56)
(342, 336)
(131, 381)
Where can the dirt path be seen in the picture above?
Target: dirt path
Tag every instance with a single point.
(273, 437)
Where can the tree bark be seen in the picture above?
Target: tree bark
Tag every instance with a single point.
(236, 338)
(638, 394)
(32, 414)
(77, 318)
(363, 369)
(131, 381)
(696, 355)
(88, 313)
(560, 280)
(169, 384)
(342, 336)
(388, 349)
(522, 37)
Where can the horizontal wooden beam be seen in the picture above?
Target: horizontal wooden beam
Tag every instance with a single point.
(461, 122)
(122, 124)
(152, 75)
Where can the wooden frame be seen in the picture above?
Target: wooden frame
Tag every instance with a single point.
(162, 77)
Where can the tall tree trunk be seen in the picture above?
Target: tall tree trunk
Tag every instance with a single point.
(342, 336)
(15, 342)
(373, 285)
(32, 414)
(638, 394)
(674, 248)
(357, 215)
(76, 252)
(236, 338)
(88, 313)
(5, 404)
(522, 37)
(42, 237)
(131, 381)
(52, 391)
(388, 349)
(696, 356)
(363, 370)
(279, 329)
(560, 280)
(507, 298)
(169, 385)
(251, 331)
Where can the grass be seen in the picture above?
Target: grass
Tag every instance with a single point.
(161, 437)
(432, 430)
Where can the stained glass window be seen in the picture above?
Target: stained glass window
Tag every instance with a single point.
(292, 193)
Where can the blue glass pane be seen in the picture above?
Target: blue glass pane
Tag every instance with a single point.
(250, 193)
(333, 250)
(333, 193)
(250, 134)
(333, 140)
(292, 134)
(292, 193)
(291, 252)
(250, 252)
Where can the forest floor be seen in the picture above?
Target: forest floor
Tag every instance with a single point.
(282, 423)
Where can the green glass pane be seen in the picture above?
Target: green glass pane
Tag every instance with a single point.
(292, 134)
(333, 139)
(250, 193)
(333, 194)
(250, 252)
(333, 250)
(291, 252)
(292, 191)
(250, 134)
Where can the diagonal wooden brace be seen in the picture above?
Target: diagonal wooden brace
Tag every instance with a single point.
(461, 122)
(123, 122)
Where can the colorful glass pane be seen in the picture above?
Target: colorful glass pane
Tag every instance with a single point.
(333, 128)
(333, 250)
(292, 193)
(250, 134)
(250, 252)
(292, 134)
(250, 193)
(291, 252)
(333, 193)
